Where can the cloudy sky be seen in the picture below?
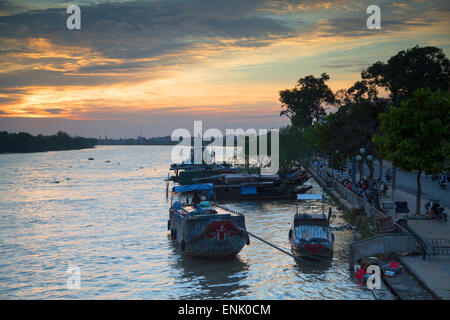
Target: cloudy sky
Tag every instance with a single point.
(153, 66)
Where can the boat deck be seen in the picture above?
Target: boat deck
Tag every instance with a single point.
(218, 211)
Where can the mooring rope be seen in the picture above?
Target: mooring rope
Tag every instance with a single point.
(276, 247)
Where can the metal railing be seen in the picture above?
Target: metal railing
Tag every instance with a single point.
(345, 193)
(439, 247)
(371, 211)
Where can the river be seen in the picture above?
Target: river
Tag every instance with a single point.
(108, 217)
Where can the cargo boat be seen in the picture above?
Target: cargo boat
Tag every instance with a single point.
(205, 229)
(310, 233)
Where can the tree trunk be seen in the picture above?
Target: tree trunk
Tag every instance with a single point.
(371, 168)
(419, 192)
(380, 161)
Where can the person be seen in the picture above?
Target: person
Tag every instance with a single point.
(360, 274)
(196, 199)
(349, 186)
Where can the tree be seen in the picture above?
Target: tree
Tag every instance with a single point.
(415, 135)
(409, 70)
(295, 146)
(351, 127)
(304, 103)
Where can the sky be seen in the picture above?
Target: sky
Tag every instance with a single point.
(149, 67)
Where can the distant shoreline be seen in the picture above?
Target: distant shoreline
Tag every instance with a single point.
(26, 143)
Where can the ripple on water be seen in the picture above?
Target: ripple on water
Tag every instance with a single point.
(110, 220)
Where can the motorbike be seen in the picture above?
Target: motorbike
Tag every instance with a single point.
(388, 176)
(435, 210)
(443, 184)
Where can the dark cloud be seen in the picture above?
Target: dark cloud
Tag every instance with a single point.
(130, 34)
(54, 110)
(134, 30)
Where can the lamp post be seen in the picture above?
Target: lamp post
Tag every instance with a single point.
(369, 163)
(362, 151)
(359, 159)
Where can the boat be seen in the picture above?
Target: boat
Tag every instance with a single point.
(205, 229)
(187, 173)
(245, 186)
(310, 233)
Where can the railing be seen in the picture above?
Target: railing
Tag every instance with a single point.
(371, 211)
(356, 201)
(439, 246)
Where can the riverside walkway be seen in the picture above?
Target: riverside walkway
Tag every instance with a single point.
(434, 271)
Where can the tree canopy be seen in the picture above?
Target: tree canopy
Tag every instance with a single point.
(415, 135)
(25, 142)
(409, 70)
(304, 103)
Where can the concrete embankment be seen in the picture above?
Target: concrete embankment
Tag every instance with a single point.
(433, 273)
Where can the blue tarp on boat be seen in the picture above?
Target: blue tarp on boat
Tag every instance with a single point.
(249, 190)
(193, 187)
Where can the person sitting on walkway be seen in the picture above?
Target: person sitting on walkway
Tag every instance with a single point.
(361, 273)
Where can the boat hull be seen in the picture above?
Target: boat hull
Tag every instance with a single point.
(306, 251)
(217, 236)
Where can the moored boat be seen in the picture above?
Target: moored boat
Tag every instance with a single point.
(310, 233)
(205, 229)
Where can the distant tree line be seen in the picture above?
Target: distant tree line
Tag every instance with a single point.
(155, 141)
(25, 142)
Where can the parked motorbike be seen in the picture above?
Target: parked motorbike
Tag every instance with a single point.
(435, 210)
(388, 175)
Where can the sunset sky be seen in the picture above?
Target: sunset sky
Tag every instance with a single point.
(154, 66)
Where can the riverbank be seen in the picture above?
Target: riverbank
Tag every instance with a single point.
(433, 273)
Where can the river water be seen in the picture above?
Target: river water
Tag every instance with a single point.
(108, 217)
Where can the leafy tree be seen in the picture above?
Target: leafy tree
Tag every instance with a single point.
(295, 145)
(404, 73)
(351, 127)
(304, 103)
(415, 135)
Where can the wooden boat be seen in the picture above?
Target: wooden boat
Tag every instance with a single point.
(256, 186)
(310, 234)
(206, 229)
(186, 173)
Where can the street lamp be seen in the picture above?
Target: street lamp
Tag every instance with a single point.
(369, 163)
(359, 159)
(362, 151)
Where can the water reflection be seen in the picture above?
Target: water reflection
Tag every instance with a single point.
(314, 266)
(214, 279)
(111, 220)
